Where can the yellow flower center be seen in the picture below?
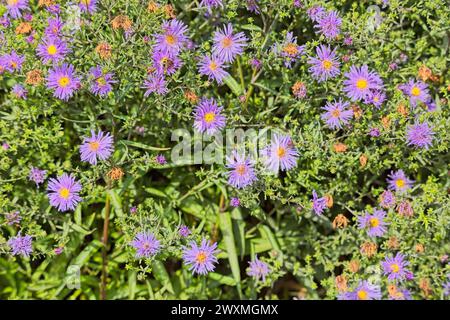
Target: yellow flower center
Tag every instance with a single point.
(400, 183)
(201, 257)
(51, 49)
(376, 99)
(335, 113)
(374, 222)
(291, 49)
(171, 39)
(361, 84)
(395, 268)
(64, 193)
(209, 117)
(281, 152)
(12, 2)
(93, 146)
(213, 66)
(415, 91)
(227, 42)
(64, 81)
(13, 64)
(327, 64)
(240, 169)
(146, 246)
(85, 2)
(362, 295)
(101, 81)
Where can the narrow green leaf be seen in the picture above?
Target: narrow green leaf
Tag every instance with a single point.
(233, 85)
(161, 275)
(143, 146)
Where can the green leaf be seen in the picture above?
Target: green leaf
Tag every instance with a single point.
(233, 85)
(162, 276)
(143, 146)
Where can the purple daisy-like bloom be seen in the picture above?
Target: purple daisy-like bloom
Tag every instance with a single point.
(63, 192)
(364, 291)
(208, 117)
(184, 231)
(446, 289)
(235, 202)
(14, 7)
(21, 245)
(258, 269)
(395, 268)
(252, 6)
(160, 159)
(400, 294)
(387, 199)
(348, 41)
(19, 91)
(155, 84)
(375, 97)
(360, 81)
(172, 38)
(63, 81)
(52, 49)
(88, 6)
(242, 172)
(398, 181)
(98, 145)
(315, 12)
(228, 45)
(101, 83)
(12, 62)
(13, 218)
(255, 63)
(146, 245)
(54, 27)
(210, 4)
(289, 50)
(336, 114)
(201, 259)
(213, 67)
(420, 135)
(374, 132)
(280, 154)
(373, 223)
(165, 62)
(326, 65)
(417, 91)
(318, 204)
(37, 175)
(329, 24)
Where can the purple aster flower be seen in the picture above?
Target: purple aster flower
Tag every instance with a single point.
(252, 6)
(360, 81)
(348, 41)
(393, 66)
(201, 259)
(326, 65)
(235, 202)
(13, 218)
(58, 250)
(364, 291)
(146, 245)
(155, 84)
(5, 146)
(133, 209)
(210, 4)
(53, 9)
(336, 114)
(208, 117)
(37, 175)
(98, 145)
(446, 289)
(63, 192)
(5, 22)
(255, 63)
(417, 91)
(172, 38)
(242, 172)
(318, 204)
(213, 67)
(101, 83)
(88, 6)
(373, 223)
(21, 245)
(19, 91)
(165, 62)
(420, 135)
(280, 154)
(315, 12)
(394, 267)
(52, 49)
(12, 62)
(14, 7)
(30, 38)
(63, 81)
(329, 24)
(387, 199)
(258, 269)
(160, 159)
(289, 50)
(374, 132)
(228, 45)
(184, 231)
(398, 181)
(400, 294)
(54, 27)
(375, 97)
